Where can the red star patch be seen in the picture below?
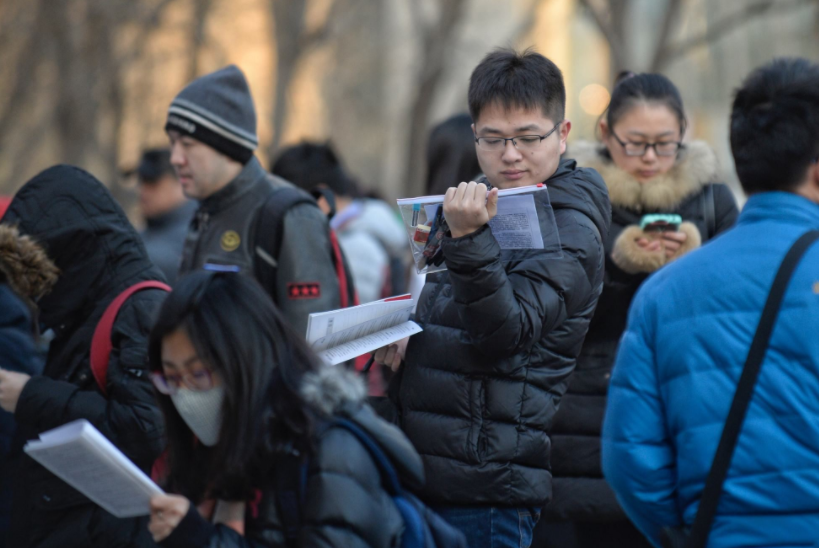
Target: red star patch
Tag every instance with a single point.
(304, 290)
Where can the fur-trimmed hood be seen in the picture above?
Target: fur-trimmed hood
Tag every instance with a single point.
(330, 389)
(695, 167)
(24, 264)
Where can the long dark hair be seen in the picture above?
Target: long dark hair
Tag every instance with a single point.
(237, 332)
(630, 88)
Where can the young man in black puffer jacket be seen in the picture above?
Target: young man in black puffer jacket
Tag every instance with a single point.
(479, 387)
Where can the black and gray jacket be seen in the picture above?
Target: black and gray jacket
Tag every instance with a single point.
(502, 329)
(707, 209)
(99, 254)
(344, 503)
(222, 236)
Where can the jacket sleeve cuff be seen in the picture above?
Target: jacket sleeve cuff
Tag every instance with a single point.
(41, 397)
(471, 251)
(692, 241)
(193, 531)
(630, 257)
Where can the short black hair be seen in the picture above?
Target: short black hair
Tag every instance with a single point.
(630, 89)
(525, 80)
(313, 165)
(155, 164)
(775, 125)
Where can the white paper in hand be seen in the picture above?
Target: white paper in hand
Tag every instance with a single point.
(81, 456)
(341, 335)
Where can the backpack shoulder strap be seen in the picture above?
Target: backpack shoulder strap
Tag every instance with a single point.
(745, 389)
(101, 342)
(389, 476)
(268, 230)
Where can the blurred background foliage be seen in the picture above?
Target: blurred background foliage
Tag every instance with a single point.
(88, 82)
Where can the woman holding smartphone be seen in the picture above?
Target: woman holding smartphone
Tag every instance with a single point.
(665, 203)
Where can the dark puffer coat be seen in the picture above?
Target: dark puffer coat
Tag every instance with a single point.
(99, 254)
(502, 330)
(580, 492)
(25, 273)
(344, 503)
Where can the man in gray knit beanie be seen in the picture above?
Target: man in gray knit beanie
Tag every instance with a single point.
(212, 129)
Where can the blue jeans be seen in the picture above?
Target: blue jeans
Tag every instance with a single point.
(492, 527)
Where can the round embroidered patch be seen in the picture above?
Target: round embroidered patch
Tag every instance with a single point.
(230, 240)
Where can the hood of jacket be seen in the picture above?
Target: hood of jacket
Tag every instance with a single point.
(24, 264)
(86, 235)
(695, 167)
(334, 390)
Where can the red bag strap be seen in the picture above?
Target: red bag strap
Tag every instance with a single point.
(344, 285)
(101, 342)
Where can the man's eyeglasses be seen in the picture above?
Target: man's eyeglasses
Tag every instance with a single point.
(521, 142)
(666, 148)
(170, 384)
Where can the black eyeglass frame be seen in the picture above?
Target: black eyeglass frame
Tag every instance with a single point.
(646, 146)
(514, 143)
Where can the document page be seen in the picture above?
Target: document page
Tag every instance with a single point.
(515, 226)
(340, 335)
(81, 456)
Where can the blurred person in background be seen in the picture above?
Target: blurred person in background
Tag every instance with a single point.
(166, 210)
(369, 230)
(689, 333)
(647, 169)
(248, 220)
(99, 254)
(26, 274)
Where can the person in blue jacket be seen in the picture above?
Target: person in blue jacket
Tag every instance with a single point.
(689, 332)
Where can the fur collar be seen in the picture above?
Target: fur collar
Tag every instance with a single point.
(696, 167)
(331, 388)
(27, 269)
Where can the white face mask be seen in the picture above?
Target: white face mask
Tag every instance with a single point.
(202, 411)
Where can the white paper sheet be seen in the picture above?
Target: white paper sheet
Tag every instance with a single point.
(340, 335)
(83, 458)
(515, 226)
(374, 341)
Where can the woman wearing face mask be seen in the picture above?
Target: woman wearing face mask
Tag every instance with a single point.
(648, 170)
(241, 394)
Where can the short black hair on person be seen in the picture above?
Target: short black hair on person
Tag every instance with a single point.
(314, 165)
(154, 164)
(631, 89)
(775, 125)
(524, 80)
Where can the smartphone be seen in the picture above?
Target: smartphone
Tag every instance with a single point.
(660, 222)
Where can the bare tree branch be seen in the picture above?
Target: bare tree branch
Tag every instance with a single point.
(725, 25)
(612, 33)
(672, 12)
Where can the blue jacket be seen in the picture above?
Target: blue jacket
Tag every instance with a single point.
(689, 331)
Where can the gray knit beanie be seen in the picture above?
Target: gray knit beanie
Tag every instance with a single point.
(217, 109)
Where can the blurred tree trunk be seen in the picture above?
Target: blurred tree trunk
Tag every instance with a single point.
(436, 39)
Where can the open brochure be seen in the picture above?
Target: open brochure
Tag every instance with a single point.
(341, 335)
(518, 224)
(81, 456)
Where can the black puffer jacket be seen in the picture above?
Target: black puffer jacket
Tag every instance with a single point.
(99, 254)
(580, 492)
(344, 503)
(481, 383)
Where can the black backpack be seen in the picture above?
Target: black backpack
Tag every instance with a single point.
(269, 226)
